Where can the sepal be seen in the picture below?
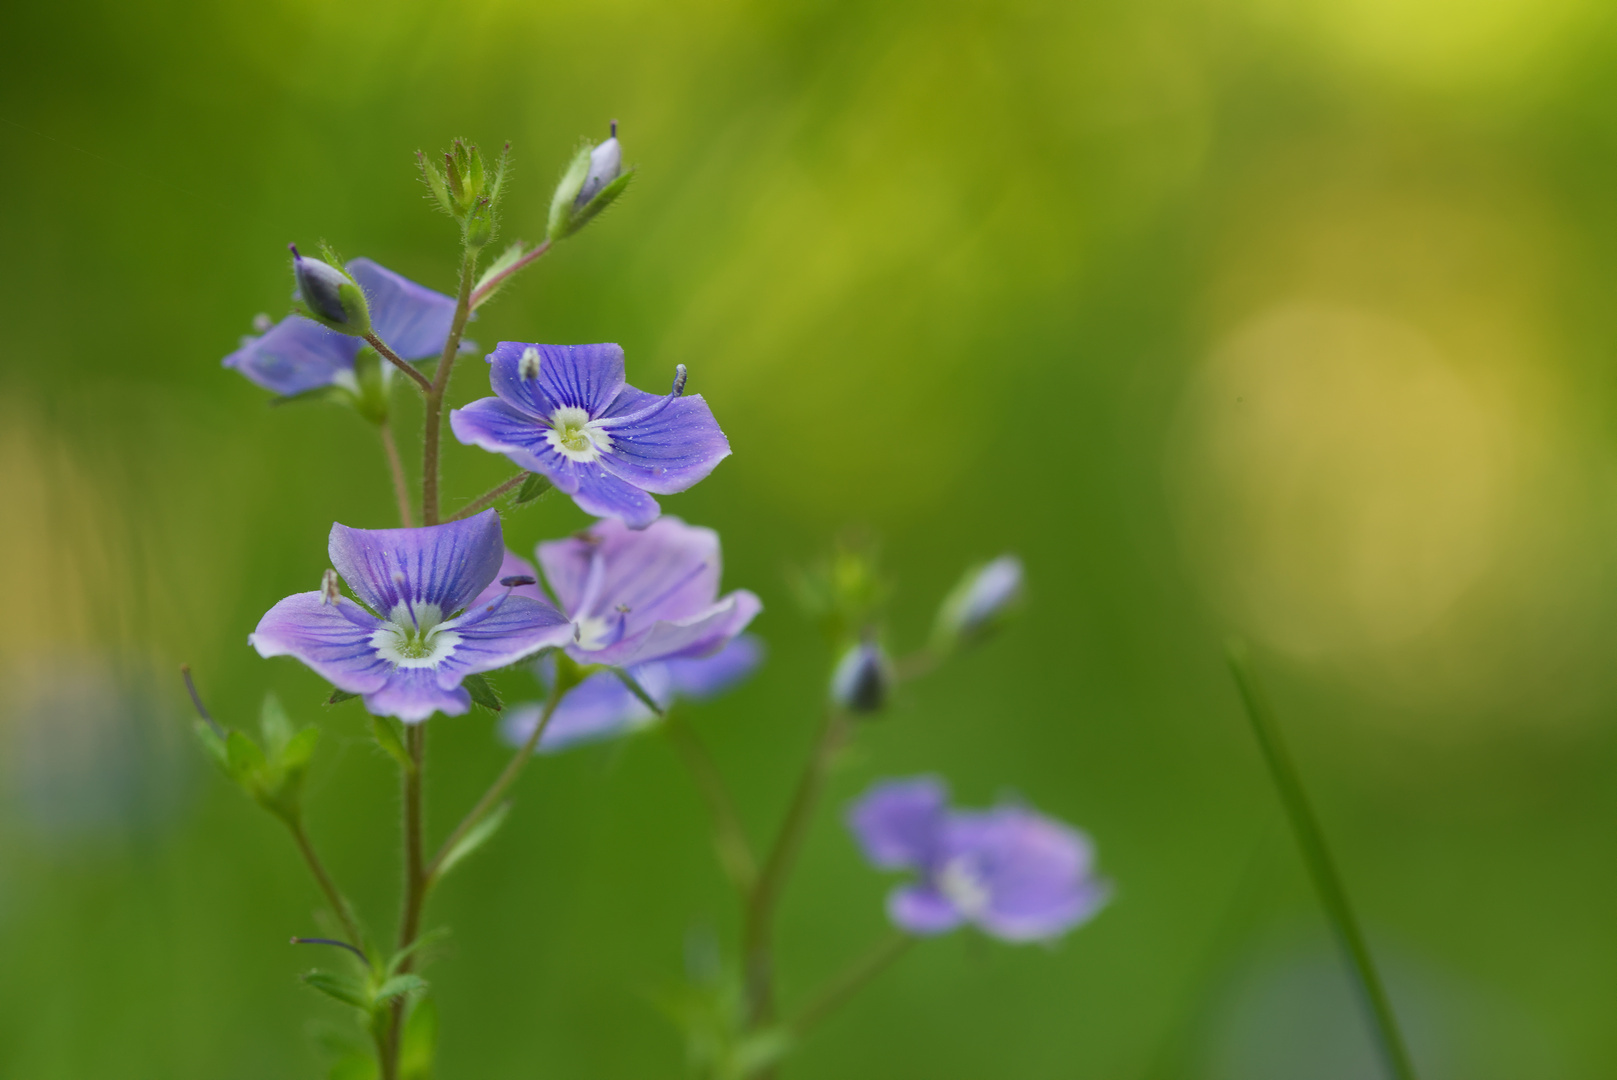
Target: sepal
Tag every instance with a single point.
(328, 294)
(592, 181)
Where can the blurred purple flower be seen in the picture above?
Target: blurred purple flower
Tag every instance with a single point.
(435, 621)
(1014, 873)
(565, 411)
(298, 354)
(602, 707)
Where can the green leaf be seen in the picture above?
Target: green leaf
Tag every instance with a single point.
(245, 759)
(387, 738)
(277, 729)
(212, 744)
(339, 696)
(475, 837)
(354, 1067)
(637, 690)
(602, 200)
(431, 937)
(758, 1051)
(319, 393)
(398, 986)
(420, 1043)
(534, 486)
(345, 988)
(483, 692)
(295, 756)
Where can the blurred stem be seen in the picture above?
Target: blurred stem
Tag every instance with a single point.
(1321, 867)
(492, 796)
(395, 465)
(415, 891)
(488, 498)
(393, 358)
(485, 290)
(758, 918)
(339, 904)
(433, 429)
(922, 661)
(852, 979)
(735, 854)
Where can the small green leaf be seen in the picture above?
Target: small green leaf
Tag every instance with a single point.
(299, 749)
(483, 692)
(475, 837)
(245, 759)
(758, 1051)
(345, 988)
(534, 486)
(212, 744)
(319, 393)
(420, 1044)
(387, 738)
(398, 986)
(431, 937)
(354, 1067)
(339, 696)
(277, 729)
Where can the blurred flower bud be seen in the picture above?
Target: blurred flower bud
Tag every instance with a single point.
(985, 596)
(594, 178)
(862, 679)
(330, 296)
(463, 188)
(329, 593)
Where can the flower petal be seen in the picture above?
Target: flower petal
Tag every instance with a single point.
(668, 451)
(670, 570)
(499, 633)
(700, 635)
(446, 564)
(412, 319)
(333, 639)
(921, 910)
(294, 355)
(413, 694)
(709, 676)
(1036, 871)
(897, 822)
(501, 429)
(587, 377)
(598, 492)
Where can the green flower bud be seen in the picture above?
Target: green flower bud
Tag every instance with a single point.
(330, 297)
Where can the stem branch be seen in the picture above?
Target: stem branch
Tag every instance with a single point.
(393, 358)
(488, 498)
(735, 854)
(339, 904)
(435, 392)
(415, 891)
(485, 290)
(1321, 867)
(852, 979)
(395, 465)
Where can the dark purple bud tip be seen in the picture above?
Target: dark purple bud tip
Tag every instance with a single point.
(680, 375)
(614, 126)
(293, 248)
(518, 579)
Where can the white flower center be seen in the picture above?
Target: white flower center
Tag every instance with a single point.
(412, 637)
(576, 436)
(596, 631)
(964, 886)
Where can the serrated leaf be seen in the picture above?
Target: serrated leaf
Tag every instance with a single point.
(345, 988)
(420, 1044)
(398, 986)
(483, 692)
(388, 739)
(534, 486)
(508, 258)
(339, 696)
(475, 837)
(299, 749)
(277, 729)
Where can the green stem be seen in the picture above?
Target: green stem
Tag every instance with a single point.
(415, 884)
(488, 498)
(851, 980)
(395, 466)
(758, 918)
(729, 837)
(1332, 893)
(433, 421)
(393, 358)
(485, 290)
(339, 904)
(492, 796)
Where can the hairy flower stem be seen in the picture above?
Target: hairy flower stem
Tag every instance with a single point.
(851, 980)
(395, 466)
(1321, 867)
(393, 358)
(339, 903)
(433, 430)
(758, 919)
(488, 498)
(486, 289)
(492, 796)
(415, 886)
(729, 838)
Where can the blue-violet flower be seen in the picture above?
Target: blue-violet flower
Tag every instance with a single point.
(565, 411)
(1014, 873)
(429, 618)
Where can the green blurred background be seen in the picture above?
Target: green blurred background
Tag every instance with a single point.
(1293, 320)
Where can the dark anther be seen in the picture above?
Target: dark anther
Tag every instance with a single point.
(518, 579)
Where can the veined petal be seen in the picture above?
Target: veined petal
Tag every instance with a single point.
(413, 694)
(699, 635)
(413, 319)
(498, 633)
(898, 822)
(501, 429)
(333, 639)
(670, 570)
(1035, 871)
(704, 677)
(295, 355)
(586, 377)
(600, 493)
(444, 565)
(669, 450)
(922, 910)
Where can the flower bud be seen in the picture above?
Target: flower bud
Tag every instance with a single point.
(862, 679)
(594, 178)
(981, 601)
(606, 165)
(330, 296)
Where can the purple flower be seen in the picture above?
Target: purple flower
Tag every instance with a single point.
(565, 411)
(431, 620)
(1014, 873)
(602, 707)
(298, 354)
(635, 596)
